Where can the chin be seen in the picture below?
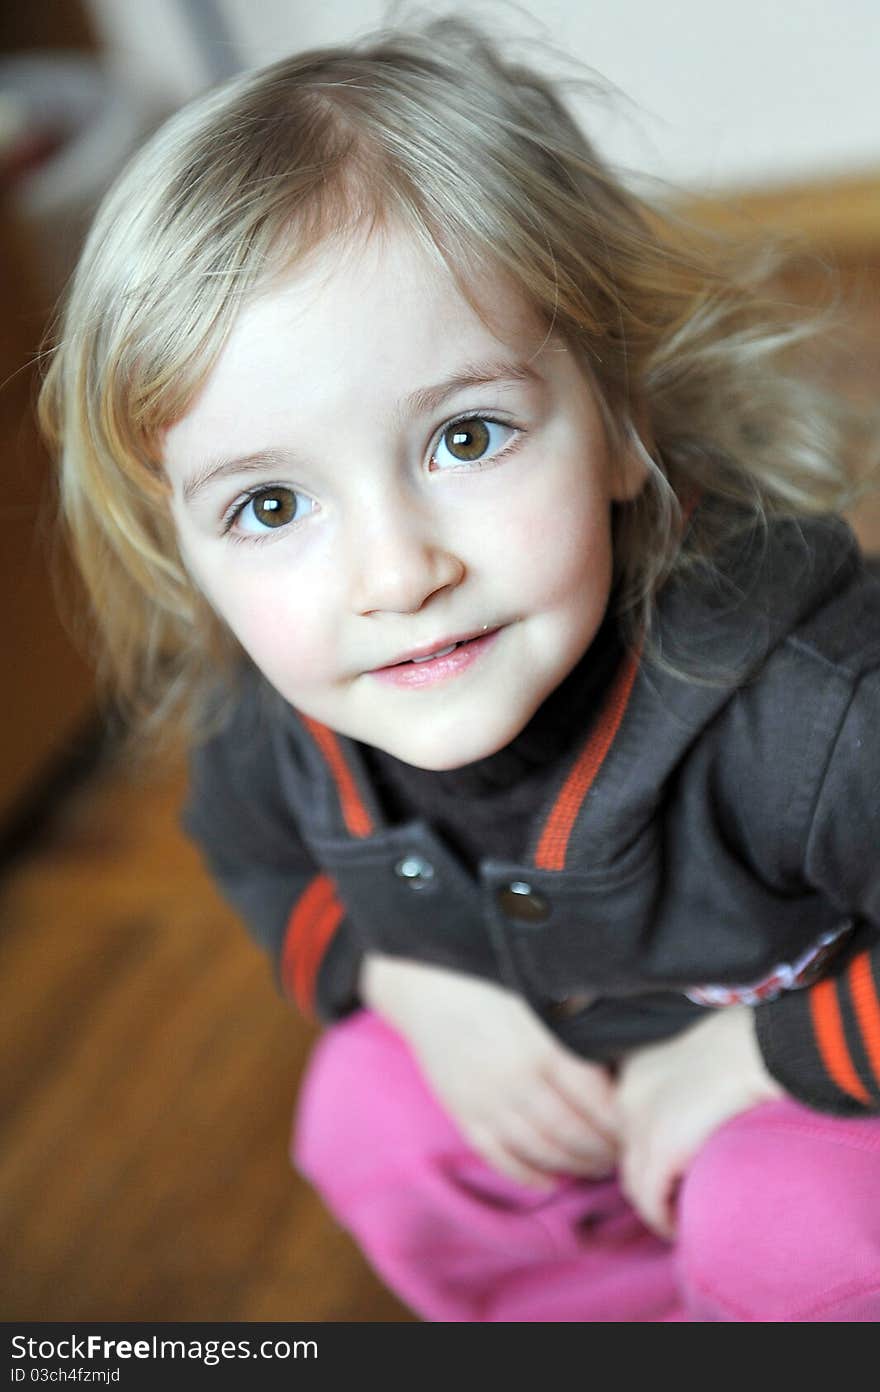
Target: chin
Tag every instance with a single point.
(457, 750)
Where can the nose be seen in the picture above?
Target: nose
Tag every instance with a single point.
(401, 561)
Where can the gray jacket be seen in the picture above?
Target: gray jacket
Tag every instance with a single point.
(715, 838)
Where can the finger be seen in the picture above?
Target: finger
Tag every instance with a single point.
(581, 1145)
(508, 1163)
(523, 1139)
(650, 1186)
(587, 1088)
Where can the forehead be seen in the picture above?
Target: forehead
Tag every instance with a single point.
(387, 273)
(369, 318)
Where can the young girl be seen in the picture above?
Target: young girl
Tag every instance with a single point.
(473, 526)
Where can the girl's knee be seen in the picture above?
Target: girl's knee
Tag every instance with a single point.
(442, 1229)
(363, 1110)
(779, 1219)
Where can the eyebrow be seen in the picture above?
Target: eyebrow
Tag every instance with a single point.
(426, 399)
(216, 469)
(422, 401)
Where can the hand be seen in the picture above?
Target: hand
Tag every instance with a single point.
(671, 1096)
(524, 1102)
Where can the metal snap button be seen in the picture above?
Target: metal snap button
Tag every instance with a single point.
(415, 871)
(519, 901)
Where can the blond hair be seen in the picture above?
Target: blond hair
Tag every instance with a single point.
(480, 159)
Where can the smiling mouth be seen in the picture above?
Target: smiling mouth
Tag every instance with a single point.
(426, 668)
(417, 659)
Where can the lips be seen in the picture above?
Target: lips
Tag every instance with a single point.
(440, 649)
(430, 666)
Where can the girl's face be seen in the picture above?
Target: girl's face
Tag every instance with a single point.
(402, 513)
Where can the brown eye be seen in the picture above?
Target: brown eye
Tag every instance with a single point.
(275, 507)
(270, 509)
(472, 441)
(467, 440)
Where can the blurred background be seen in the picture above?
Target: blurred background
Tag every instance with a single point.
(149, 1069)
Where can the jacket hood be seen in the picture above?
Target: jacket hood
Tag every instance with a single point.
(717, 621)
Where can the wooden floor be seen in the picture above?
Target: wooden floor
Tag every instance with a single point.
(149, 1076)
(150, 1070)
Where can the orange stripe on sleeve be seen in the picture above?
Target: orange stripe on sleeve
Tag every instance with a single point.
(866, 1005)
(324, 930)
(354, 813)
(831, 1040)
(313, 921)
(553, 845)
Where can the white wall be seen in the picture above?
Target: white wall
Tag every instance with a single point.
(720, 95)
(152, 47)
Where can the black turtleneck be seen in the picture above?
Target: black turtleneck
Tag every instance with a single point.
(484, 810)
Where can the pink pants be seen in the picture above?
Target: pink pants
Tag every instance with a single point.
(778, 1217)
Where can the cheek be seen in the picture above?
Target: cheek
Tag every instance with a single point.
(290, 648)
(558, 554)
(286, 633)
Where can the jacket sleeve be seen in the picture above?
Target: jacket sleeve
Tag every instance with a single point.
(237, 815)
(823, 1043)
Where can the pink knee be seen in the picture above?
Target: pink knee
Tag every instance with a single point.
(432, 1219)
(779, 1219)
(372, 1138)
(364, 1113)
(454, 1239)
